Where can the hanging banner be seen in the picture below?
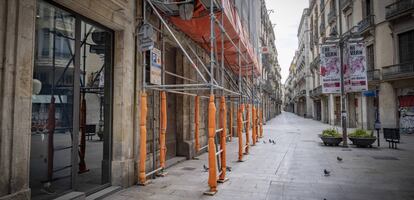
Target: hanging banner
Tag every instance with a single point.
(155, 70)
(355, 68)
(330, 68)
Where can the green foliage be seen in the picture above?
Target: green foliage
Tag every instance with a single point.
(361, 133)
(331, 132)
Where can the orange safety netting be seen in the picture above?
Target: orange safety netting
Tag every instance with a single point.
(198, 29)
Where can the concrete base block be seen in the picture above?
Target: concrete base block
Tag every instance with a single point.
(222, 180)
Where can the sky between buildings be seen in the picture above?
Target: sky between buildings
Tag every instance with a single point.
(286, 16)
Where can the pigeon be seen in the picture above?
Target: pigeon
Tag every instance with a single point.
(228, 169)
(273, 142)
(270, 141)
(326, 172)
(264, 142)
(339, 158)
(205, 168)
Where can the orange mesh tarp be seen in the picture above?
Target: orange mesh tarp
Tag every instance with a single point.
(198, 29)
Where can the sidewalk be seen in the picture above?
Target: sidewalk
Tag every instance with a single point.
(292, 169)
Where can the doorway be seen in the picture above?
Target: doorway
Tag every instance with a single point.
(71, 104)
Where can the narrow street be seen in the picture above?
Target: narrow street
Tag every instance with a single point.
(293, 168)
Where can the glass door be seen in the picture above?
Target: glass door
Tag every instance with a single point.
(94, 76)
(71, 104)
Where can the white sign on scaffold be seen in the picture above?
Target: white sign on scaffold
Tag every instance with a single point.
(355, 70)
(155, 70)
(330, 68)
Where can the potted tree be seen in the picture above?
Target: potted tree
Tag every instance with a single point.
(331, 137)
(362, 138)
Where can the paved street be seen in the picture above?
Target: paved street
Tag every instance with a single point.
(293, 169)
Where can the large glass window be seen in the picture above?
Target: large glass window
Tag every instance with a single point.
(71, 104)
(406, 47)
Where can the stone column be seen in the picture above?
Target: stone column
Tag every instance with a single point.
(331, 108)
(17, 31)
(388, 105)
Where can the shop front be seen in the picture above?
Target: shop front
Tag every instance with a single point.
(71, 104)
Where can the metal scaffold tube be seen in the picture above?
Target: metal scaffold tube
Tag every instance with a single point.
(247, 129)
(240, 130)
(196, 123)
(254, 136)
(261, 123)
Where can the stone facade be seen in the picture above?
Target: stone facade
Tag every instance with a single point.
(380, 24)
(123, 17)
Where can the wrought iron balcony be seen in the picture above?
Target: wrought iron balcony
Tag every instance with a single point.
(315, 63)
(331, 16)
(322, 28)
(366, 23)
(399, 8)
(345, 4)
(322, 5)
(374, 75)
(399, 71)
(316, 92)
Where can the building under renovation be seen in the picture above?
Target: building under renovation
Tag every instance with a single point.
(110, 93)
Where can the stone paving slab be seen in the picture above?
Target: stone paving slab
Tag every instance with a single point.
(293, 169)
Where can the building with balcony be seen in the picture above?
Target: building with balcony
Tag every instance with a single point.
(385, 28)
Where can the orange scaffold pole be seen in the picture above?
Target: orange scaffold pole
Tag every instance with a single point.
(143, 140)
(254, 130)
(247, 129)
(261, 123)
(223, 120)
(196, 122)
(231, 122)
(212, 162)
(239, 130)
(163, 121)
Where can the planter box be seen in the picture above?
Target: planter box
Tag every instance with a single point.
(363, 142)
(331, 141)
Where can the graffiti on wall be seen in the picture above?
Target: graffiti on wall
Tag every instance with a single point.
(407, 120)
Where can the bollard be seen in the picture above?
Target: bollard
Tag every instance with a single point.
(212, 162)
(196, 122)
(239, 130)
(143, 140)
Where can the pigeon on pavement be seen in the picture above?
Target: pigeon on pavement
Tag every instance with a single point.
(326, 172)
(205, 168)
(339, 158)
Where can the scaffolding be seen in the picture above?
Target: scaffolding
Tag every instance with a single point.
(217, 71)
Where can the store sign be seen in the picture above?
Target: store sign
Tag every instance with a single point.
(145, 35)
(330, 68)
(355, 70)
(155, 70)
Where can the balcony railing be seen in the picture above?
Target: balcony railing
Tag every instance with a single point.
(331, 16)
(366, 23)
(345, 4)
(316, 92)
(322, 28)
(374, 75)
(398, 8)
(322, 5)
(399, 71)
(315, 63)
